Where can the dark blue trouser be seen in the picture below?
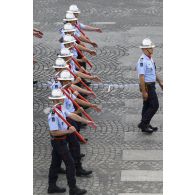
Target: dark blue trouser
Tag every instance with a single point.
(60, 153)
(74, 145)
(150, 106)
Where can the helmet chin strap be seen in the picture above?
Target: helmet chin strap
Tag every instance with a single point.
(150, 53)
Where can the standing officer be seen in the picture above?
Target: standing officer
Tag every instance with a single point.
(147, 77)
(60, 135)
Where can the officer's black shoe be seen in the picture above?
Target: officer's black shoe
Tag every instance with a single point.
(77, 191)
(82, 155)
(145, 128)
(82, 172)
(55, 189)
(35, 82)
(153, 128)
(61, 171)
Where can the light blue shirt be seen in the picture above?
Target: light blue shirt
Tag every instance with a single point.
(55, 85)
(77, 33)
(68, 103)
(73, 66)
(146, 67)
(62, 46)
(74, 52)
(56, 123)
(81, 25)
(61, 32)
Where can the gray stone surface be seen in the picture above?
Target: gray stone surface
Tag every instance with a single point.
(124, 23)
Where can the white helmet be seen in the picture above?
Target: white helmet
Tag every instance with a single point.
(74, 9)
(60, 63)
(68, 27)
(65, 76)
(56, 94)
(147, 43)
(65, 52)
(68, 39)
(70, 17)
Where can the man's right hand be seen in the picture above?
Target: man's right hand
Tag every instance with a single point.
(145, 95)
(71, 130)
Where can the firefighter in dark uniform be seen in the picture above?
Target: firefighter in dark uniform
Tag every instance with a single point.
(147, 78)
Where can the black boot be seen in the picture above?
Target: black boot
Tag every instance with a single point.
(80, 172)
(153, 128)
(77, 191)
(82, 155)
(61, 171)
(144, 128)
(55, 189)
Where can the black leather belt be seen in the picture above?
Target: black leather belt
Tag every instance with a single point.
(150, 83)
(58, 137)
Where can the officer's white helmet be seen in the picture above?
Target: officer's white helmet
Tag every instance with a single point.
(65, 52)
(70, 17)
(68, 39)
(74, 9)
(65, 76)
(60, 63)
(56, 94)
(147, 43)
(68, 27)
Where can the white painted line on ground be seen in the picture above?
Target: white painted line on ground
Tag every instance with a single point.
(36, 23)
(103, 22)
(138, 194)
(141, 175)
(139, 136)
(142, 155)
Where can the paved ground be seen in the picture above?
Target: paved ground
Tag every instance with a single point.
(125, 162)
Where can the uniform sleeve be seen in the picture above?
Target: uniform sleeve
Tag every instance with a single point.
(77, 33)
(73, 96)
(53, 122)
(67, 113)
(62, 46)
(61, 32)
(141, 67)
(82, 26)
(75, 71)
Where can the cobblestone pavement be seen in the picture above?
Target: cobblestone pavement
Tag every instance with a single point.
(125, 23)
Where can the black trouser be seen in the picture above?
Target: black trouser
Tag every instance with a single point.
(81, 63)
(75, 150)
(61, 153)
(151, 105)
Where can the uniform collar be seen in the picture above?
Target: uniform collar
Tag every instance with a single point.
(145, 56)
